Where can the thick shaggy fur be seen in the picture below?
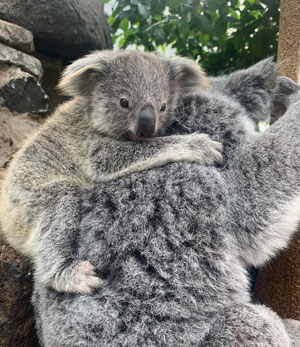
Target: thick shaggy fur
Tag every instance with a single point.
(174, 243)
(87, 141)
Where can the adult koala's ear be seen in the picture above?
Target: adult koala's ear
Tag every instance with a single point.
(263, 73)
(80, 78)
(186, 75)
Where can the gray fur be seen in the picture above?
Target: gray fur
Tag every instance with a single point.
(87, 141)
(174, 243)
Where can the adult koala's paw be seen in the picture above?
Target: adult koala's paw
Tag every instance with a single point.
(286, 93)
(200, 148)
(77, 278)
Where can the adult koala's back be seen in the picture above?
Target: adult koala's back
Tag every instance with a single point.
(166, 271)
(173, 243)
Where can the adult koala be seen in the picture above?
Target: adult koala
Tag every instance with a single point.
(173, 243)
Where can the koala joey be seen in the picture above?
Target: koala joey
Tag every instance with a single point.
(121, 101)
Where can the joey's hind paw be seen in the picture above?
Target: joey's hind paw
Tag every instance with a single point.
(77, 278)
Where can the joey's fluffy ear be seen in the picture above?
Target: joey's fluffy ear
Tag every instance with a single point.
(80, 77)
(186, 75)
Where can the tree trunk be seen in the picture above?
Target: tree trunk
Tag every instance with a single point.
(16, 316)
(278, 283)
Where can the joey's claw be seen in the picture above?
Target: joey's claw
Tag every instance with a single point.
(209, 150)
(216, 150)
(77, 278)
(200, 148)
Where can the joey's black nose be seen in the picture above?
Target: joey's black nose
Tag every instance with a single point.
(146, 122)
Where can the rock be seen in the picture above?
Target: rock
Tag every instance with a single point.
(24, 61)
(62, 28)
(13, 131)
(21, 92)
(52, 68)
(17, 37)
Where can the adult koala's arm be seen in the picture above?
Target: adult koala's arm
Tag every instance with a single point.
(263, 167)
(266, 170)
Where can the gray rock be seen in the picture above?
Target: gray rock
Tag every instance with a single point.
(16, 36)
(52, 68)
(62, 28)
(21, 92)
(26, 62)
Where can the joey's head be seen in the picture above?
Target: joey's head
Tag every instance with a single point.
(130, 93)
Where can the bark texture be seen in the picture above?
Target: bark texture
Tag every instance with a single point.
(16, 316)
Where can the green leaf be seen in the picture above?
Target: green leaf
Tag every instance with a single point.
(205, 23)
(124, 14)
(174, 4)
(110, 20)
(188, 17)
(220, 26)
(144, 10)
(127, 34)
(234, 14)
(183, 29)
(124, 24)
(267, 2)
(122, 43)
(197, 28)
(159, 33)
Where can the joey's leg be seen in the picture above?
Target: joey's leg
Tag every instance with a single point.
(54, 242)
(247, 326)
(267, 176)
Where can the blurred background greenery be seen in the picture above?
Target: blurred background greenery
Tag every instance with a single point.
(222, 35)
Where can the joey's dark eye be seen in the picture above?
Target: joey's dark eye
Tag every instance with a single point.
(163, 108)
(124, 103)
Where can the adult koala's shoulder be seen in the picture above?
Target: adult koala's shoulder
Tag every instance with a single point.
(173, 243)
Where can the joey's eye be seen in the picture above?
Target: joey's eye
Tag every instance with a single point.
(124, 103)
(163, 108)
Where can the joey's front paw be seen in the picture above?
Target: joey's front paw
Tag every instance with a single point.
(204, 150)
(80, 278)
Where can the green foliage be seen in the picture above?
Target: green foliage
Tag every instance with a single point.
(222, 35)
